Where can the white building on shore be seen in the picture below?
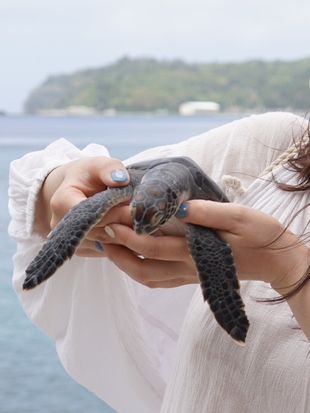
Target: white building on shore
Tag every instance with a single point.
(69, 111)
(194, 108)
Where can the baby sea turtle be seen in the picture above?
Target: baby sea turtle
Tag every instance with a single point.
(155, 192)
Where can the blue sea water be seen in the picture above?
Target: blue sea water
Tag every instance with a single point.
(31, 378)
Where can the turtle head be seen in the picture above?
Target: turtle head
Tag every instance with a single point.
(153, 204)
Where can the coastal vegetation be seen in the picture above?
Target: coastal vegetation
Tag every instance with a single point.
(152, 85)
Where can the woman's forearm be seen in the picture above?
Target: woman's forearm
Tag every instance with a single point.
(300, 306)
(300, 301)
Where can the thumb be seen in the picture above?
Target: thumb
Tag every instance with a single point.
(62, 201)
(84, 179)
(216, 215)
(112, 173)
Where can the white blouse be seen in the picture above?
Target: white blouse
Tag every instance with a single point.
(125, 342)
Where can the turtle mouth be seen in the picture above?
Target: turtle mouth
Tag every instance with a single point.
(140, 229)
(146, 221)
(146, 227)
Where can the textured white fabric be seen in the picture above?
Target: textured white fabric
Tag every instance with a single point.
(272, 373)
(119, 338)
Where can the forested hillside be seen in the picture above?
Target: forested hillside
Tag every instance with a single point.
(148, 84)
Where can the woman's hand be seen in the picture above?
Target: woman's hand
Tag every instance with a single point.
(70, 184)
(165, 263)
(263, 250)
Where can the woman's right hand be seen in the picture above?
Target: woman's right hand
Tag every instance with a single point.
(70, 184)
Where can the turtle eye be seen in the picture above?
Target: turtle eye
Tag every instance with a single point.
(156, 219)
(161, 205)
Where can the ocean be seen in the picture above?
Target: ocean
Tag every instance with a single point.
(32, 379)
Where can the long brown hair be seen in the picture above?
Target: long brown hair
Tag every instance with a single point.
(299, 163)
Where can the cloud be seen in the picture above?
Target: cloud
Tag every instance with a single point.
(45, 37)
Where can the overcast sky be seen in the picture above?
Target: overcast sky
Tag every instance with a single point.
(43, 37)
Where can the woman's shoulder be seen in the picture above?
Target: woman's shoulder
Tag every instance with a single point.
(277, 130)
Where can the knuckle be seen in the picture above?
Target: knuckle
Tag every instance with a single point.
(94, 235)
(53, 223)
(151, 284)
(93, 162)
(240, 215)
(115, 162)
(123, 237)
(107, 163)
(56, 203)
(199, 210)
(97, 234)
(151, 250)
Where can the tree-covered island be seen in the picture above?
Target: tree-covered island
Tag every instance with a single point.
(151, 85)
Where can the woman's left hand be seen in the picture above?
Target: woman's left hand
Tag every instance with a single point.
(166, 261)
(262, 249)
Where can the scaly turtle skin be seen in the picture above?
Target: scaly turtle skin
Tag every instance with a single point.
(156, 190)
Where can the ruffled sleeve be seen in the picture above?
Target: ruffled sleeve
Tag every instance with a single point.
(27, 176)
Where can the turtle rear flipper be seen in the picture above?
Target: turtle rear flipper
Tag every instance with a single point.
(70, 232)
(218, 280)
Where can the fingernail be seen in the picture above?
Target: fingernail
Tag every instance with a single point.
(182, 212)
(99, 246)
(119, 175)
(109, 231)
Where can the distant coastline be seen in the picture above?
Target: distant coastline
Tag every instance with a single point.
(153, 115)
(149, 85)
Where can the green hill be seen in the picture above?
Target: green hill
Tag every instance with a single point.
(148, 84)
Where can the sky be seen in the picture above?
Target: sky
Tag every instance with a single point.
(44, 37)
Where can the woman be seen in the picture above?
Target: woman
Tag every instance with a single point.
(118, 337)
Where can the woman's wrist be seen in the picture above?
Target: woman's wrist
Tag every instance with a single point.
(289, 281)
(43, 210)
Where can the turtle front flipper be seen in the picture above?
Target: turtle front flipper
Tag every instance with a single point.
(218, 280)
(69, 233)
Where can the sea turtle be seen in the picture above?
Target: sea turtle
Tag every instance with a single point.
(155, 192)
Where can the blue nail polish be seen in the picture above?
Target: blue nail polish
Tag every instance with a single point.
(119, 176)
(99, 246)
(182, 211)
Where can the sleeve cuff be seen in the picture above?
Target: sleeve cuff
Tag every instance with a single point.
(27, 175)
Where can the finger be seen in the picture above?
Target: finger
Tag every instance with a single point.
(119, 214)
(111, 172)
(92, 245)
(167, 248)
(95, 173)
(173, 283)
(237, 223)
(84, 252)
(148, 271)
(217, 215)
